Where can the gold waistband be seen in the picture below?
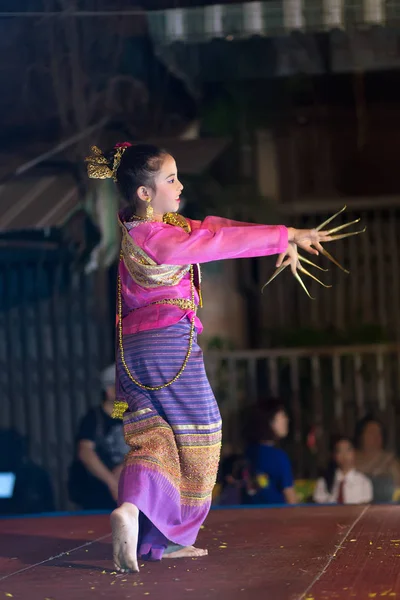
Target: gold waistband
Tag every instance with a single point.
(183, 303)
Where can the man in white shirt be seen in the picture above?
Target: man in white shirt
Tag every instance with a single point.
(342, 483)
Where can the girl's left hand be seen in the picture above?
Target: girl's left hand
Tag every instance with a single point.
(292, 258)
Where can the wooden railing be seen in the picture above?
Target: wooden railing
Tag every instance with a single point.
(325, 389)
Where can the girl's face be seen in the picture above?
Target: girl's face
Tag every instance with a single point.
(344, 455)
(372, 437)
(168, 188)
(280, 424)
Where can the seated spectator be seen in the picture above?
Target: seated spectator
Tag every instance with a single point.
(25, 486)
(342, 483)
(372, 459)
(100, 451)
(235, 479)
(269, 464)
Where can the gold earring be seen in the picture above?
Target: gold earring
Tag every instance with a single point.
(149, 210)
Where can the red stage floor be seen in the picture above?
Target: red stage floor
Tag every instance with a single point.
(313, 553)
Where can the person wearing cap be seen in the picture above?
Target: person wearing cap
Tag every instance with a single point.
(100, 450)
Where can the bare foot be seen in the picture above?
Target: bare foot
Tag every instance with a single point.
(186, 552)
(125, 530)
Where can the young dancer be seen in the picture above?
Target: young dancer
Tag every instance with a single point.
(171, 419)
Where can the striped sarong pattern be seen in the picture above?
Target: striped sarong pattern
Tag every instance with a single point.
(174, 435)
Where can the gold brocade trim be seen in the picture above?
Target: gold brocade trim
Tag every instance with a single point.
(195, 447)
(144, 270)
(192, 469)
(183, 303)
(144, 425)
(197, 427)
(140, 254)
(138, 413)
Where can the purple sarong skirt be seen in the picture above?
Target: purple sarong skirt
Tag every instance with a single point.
(174, 435)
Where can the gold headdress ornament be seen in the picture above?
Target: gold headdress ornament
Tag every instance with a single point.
(98, 166)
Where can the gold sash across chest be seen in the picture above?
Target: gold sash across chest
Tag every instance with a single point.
(143, 269)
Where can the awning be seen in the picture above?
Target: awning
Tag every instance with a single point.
(266, 18)
(280, 38)
(37, 202)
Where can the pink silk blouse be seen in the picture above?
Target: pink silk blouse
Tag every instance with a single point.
(214, 238)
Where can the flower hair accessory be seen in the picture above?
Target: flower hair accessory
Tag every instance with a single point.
(97, 163)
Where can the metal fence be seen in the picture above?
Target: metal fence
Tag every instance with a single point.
(52, 344)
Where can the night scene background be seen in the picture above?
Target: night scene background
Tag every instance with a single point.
(279, 111)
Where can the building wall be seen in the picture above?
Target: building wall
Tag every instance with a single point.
(53, 346)
(267, 165)
(223, 314)
(317, 168)
(328, 152)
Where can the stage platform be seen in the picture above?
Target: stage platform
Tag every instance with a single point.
(313, 553)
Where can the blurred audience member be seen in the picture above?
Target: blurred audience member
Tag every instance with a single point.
(100, 451)
(269, 463)
(234, 478)
(25, 488)
(373, 460)
(342, 483)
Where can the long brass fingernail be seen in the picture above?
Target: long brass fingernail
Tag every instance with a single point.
(342, 236)
(340, 227)
(309, 262)
(303, 270)
(320, 227)
(330, 257)
(299, 279)
(278, 270)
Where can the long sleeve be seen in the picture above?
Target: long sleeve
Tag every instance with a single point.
(212, 239)
(321, 494)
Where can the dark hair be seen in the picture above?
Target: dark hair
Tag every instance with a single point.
(329, 474)
(139, 165)
(258, 425)
(362, 425)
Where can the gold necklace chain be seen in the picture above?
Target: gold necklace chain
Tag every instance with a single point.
(138, 218)
(188, 353)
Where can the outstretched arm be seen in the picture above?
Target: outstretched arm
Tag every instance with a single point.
(213, 239)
